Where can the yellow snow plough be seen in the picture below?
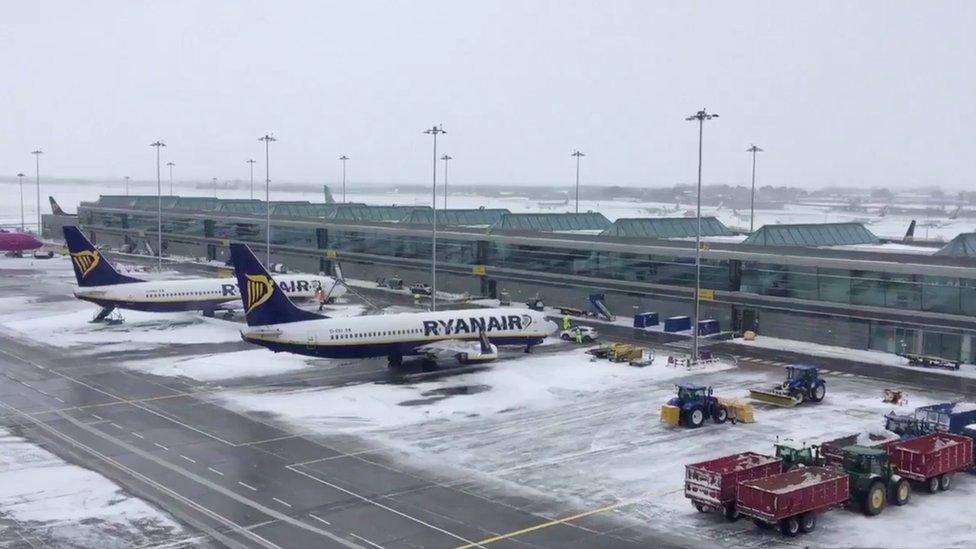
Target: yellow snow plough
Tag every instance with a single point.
(802, 383)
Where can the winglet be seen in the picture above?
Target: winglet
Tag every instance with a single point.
(91, 269)
(264, 302)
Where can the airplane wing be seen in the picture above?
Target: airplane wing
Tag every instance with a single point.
(463, 350)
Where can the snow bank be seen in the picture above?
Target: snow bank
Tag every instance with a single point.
(217, 366)
(858, 355)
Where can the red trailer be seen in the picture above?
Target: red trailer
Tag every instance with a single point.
(792, 500)
(710, 485)
(833, 450)
(932, 459)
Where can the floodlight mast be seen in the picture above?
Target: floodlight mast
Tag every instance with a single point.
(700, 116)
(434, 131)
(752, 203)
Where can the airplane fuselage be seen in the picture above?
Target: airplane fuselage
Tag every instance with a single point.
(401, 334)
(202, 294)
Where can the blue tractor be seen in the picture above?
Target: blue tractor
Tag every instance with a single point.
(693, 405)
(803, 383)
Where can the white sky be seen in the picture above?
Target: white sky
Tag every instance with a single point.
(852, 93)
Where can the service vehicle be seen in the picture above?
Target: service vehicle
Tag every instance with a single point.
(711, 485)
(932, 459)
(586, 334)
(792, 500)
(692, 406)
(803, 383)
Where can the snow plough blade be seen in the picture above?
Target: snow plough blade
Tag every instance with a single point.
(774, 396)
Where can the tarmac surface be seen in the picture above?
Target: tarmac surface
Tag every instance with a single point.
(247, 481)
(243, 482)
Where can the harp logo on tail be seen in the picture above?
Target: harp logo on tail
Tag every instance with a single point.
(86, 261)
(259, 290)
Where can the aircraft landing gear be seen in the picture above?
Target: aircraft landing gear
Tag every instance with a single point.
(102, 315)
(209, 313)
(528, 349)
(394, 361)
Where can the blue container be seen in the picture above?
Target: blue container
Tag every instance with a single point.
(708, 327)
(677, 324)
(645, 320)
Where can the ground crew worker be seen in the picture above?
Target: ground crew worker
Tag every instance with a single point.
(567, 322)
(320, 295)
(579, 335)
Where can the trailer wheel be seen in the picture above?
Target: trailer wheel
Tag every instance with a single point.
(789, 527)
(731, 512)
(933, 485)
(721, 414)
(874, 499)
(901, 492)
(945, 481)
(818, 392)
(808, 522)
(699, 506)
(696, 416)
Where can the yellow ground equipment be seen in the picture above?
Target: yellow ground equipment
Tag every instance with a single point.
(623, 352)
(773, 395)
(670, 415)
(739, 409)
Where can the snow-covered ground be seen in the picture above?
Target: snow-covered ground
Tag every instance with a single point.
(588, 434)
(63, 505)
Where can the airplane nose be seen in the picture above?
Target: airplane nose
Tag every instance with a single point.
(550, 327)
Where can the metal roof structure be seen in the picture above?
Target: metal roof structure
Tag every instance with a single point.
(196, 203)
(254, 206)
(362, 212)
(666, 227)
(479, 217)
(307, 209)
(812, 235)
(963, 245)
(550, 222)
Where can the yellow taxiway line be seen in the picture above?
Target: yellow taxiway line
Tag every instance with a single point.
(556, 522)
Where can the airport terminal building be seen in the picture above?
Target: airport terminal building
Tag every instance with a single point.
(833, 284)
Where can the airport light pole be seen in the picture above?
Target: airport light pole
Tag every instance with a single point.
(578, 155)
(159, 207)
(215, 187)
(343, 158)
(250, 161)
(37, 179)
(170, 164)
(701, 116)
(125, 185)
(20, 177)
(445, 158)
(267, 138)
(752, 203)
(434, 131)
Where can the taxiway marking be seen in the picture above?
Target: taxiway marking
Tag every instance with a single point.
(563, 520)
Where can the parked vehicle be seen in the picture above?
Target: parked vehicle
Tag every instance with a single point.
(792, 500)
(874, 479)
(693, 405)
(932, 459)
(625, 353)
(924, 361)
(711, 485)
(420, 289)
(833, 450)
(586, 334)
(796, 454)
(802, 383)
(947, 417)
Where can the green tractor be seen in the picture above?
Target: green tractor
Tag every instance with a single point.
(874, 480)
(798, 455)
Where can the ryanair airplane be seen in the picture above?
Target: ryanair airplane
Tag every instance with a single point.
(469, 335)
(101, 284)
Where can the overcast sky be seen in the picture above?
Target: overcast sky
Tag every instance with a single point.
(850, 93)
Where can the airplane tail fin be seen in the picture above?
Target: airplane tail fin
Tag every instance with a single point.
(91, 269)
(910, 233)
(55, 209)
(264, 302)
